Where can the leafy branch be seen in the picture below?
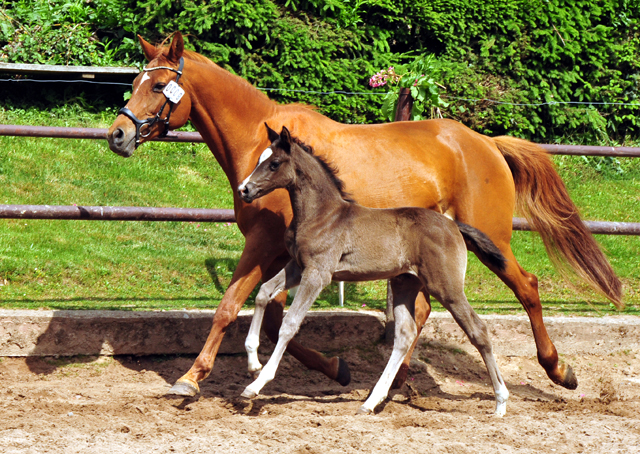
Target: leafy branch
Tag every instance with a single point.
(419, 77)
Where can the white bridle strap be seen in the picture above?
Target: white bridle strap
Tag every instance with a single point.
(177, 71)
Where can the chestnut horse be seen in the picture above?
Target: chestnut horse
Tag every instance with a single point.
(437, 164)
(331, 236)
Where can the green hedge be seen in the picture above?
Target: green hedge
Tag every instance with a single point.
(514, 51)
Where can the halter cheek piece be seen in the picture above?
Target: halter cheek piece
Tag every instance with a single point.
(153, 120)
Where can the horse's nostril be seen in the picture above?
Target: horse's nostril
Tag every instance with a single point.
(118, 134)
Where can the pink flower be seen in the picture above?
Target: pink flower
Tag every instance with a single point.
(363, 305)
(382, 77)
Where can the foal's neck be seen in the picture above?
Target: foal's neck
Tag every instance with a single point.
(313, 194)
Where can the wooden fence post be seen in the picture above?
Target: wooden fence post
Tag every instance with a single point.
(403, 113)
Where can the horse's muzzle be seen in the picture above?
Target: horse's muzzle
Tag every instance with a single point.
(122, 142)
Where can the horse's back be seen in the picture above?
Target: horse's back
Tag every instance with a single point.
(441, 165)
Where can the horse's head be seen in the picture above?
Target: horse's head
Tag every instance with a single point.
(158, 103)
(274, 169)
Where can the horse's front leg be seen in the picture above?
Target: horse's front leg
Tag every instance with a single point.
(259, 252)
(287, 278)
(311, 284)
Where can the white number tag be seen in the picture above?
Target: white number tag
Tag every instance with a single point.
(173, 92)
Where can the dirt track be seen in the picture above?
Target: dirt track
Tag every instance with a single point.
(112, 405)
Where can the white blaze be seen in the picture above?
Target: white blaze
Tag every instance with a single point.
(145, 77)
(263, 157)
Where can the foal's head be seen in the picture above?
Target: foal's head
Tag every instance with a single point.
(282, 164)
(274, 169)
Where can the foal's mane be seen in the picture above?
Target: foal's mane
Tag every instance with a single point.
(330, 169)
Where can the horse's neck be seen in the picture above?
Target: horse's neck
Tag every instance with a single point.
(229, 114)
(314, 196)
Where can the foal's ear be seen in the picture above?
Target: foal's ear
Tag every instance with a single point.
(150, 51)
(285, 139)
(176, 49)
(273, 136)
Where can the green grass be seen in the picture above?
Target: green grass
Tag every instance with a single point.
(154, 265)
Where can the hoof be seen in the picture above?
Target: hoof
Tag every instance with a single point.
(248, 394)
(364, 411)
(401, 377)
(569, 379)
(182, 388)
(501, 410)
(344, 375)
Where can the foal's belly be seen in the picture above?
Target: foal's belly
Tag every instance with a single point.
(371, 275)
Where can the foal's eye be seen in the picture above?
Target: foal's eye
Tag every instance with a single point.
(159, 87)
(274, 165)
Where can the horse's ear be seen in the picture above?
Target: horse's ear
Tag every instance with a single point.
(176, 49)
(273, 136)
(150, 51)
(285, 139)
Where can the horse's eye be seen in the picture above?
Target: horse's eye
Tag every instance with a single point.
(159, 87)
(274, 165)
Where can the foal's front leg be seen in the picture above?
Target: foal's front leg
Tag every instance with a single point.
(287, 278)
(311, 284)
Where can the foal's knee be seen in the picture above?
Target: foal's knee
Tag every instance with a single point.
(263, 297)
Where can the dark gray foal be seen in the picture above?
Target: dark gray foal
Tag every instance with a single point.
(332, 237)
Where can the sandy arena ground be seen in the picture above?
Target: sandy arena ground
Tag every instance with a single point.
(117, 405)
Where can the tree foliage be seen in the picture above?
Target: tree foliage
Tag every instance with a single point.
(521, 52)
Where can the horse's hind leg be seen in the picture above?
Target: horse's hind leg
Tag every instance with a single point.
(405, 289)
(525, 287)
(422, 312)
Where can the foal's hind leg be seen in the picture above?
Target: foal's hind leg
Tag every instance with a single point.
(456, 303)
(405, 289)
(422, 312)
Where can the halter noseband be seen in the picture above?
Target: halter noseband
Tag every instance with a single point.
(153, 120)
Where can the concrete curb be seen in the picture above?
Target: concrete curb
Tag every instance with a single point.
(68, 333)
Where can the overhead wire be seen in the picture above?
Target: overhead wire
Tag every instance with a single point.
(360, 93)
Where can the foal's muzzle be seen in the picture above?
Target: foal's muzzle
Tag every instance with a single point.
(247, 192)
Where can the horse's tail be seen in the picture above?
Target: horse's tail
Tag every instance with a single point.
(543, 199)
(481, 245)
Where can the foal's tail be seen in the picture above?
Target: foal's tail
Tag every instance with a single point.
(543, 199)
(481, 245)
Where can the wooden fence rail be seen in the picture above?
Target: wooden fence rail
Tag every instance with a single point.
(220, 215)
